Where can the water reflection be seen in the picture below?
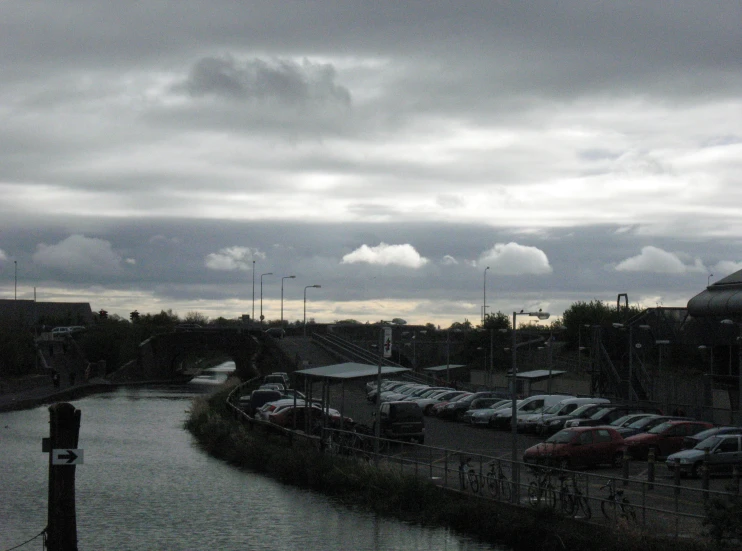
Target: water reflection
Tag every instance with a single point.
(145, 485)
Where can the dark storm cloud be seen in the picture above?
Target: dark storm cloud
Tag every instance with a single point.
(284, 80)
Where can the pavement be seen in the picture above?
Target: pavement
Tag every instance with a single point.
(35, 395)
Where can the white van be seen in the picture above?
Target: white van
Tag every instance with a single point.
(529, 422)
(532, 404)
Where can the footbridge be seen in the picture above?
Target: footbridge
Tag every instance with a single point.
(165, 355)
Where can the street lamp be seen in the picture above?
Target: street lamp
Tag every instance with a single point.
(484, 296)
(284, 277)
(739, 366)
(261, 297)
(253, 292)
(513, 391)
(305, 304)
(630, 389)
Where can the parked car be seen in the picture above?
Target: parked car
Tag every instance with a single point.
(61, 332)
(721, 453)
(275, 332)
(529, 422)
(578, 447)
(257, 398)
(435, 409)
(608, 414)
(401, 421)
(429, 399)
(556, 423)
(665, 439)
(532, 404)
(482, 417)
(645, 424)
(277, 378)
(692, 440)
(388, 385)
(186, 327)
(455, 410)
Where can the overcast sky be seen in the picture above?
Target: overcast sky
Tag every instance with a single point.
(163, 155)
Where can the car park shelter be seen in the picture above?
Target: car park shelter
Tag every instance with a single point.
(330, 374)
(442, 372)
(524, 379)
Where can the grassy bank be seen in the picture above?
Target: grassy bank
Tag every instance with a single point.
(406, 497)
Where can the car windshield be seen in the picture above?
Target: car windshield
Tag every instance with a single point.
(706, 433)
(501, 404)
(582, 409)
(648, 421)
(621, 421)
(556, 408)
(459, 397)
(659, 429)
(405, 412)
(561, 437)
(598, 414)
(709, 443)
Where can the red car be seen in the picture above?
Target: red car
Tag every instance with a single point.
(665, 439)
(578, 446)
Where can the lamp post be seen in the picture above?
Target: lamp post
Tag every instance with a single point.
(284, 277)
(253, 292)
(484, 296)
(630, 389)
(305, 304)
(513, 391)
(739, 365)
(261, 297)
(15, 285)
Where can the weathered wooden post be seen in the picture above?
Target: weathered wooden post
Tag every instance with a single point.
(61, 530)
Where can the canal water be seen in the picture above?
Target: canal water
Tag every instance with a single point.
(144, 485)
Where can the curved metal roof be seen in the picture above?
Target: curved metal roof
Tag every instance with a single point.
(723, 298)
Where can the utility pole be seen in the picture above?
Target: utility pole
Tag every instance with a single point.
(61, 530)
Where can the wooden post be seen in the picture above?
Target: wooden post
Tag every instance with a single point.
(62, 522)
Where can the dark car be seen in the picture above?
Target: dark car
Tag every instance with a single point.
(401, 421)
(455, 410)
(578, 447)
(609, 414)
(664, 439)
(721, 453)
(258, 398)
(692, 440)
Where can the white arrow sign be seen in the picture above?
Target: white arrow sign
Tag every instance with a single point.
(67, 457)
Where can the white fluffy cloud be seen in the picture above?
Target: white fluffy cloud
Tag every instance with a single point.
(448, 260)
(654, 259)
(233, 258)
(515, 259)
(383, 254)
(3, 256)
(79, 254)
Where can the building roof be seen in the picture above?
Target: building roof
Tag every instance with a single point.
(349, 370)
(30, 312)
(723, 298)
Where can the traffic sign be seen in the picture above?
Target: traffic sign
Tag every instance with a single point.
(67, 457)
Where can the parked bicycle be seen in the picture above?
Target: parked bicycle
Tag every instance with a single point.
(468, 476)
(572, 500)
(616, 505)
(497, 483)
(541, 491)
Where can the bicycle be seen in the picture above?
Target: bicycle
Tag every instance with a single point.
(578, 503)
(542, 489)
(616, 505)
(468, 476)
(497, 483)
(566, 495)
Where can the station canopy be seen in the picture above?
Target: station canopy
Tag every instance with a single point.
(536, 375)
(349, 370)
(440, 368)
